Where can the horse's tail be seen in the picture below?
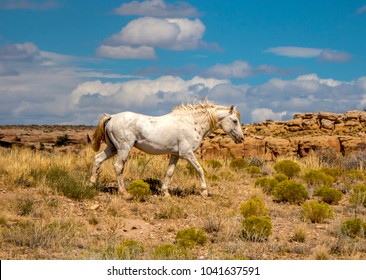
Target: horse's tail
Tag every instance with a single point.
(99, 133)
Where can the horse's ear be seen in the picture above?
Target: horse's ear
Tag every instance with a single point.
(232, 108)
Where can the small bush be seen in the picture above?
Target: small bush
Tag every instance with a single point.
(329, 195)
(129, 250)
(171, 252)
(299, 235)
(191, 237)
(328, 157)
(267, 184)
(227, 175)
(316, 212)
(213, 163)
(280, 177)
(253, 207)
(335, 172)
(139, 189)
(354, 227)
(25, 205)
(256, 229)
(253, 170)
(316, 178)
(238, 164)
(255, 161)
(290, 191)
(69, 185)
(170, 211)
(287, 167)
(358, 196)
(354, 176)
(63, 140)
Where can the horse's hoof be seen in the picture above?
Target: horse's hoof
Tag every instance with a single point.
(204, 193)
(166, 194)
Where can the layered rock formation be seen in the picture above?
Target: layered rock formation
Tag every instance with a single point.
(304, 134)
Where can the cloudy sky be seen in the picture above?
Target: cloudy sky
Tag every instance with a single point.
(66, 62)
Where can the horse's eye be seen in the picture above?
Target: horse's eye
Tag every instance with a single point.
(235, 122)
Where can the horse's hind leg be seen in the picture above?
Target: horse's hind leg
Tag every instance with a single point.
(172, 163)
(108, 152)
(119, 165)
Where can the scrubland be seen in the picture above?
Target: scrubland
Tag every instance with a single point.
(310, 208)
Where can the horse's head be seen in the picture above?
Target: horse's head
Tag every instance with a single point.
(230, 124)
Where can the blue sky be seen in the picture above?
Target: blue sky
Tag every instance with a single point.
(66, 62)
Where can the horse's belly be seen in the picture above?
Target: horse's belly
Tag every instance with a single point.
(154, 148)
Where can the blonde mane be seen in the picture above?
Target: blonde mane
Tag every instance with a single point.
(207, 108)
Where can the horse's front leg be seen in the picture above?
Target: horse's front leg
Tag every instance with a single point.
(190, 157)
(172, 163)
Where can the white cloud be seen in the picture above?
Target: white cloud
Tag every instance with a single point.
(334, 56)
(171, 34)
(157, 8)
(240, 69)
(135, 93)
(262, 114)
(125, 52)
(295, 51)
(323, 55)
(237, 69)
(23, 51)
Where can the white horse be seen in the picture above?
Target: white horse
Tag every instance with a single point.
(179, 133)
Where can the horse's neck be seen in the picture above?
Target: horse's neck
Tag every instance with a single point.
(203, 125)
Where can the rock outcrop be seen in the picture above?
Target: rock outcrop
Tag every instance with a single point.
(305, 134)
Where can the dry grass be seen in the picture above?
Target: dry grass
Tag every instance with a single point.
(39, 219)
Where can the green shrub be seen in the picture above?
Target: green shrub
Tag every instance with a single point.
(239, 163)
(354, 176)
(213, 163)
(329, 195)
(280, 177)
(267, 184)
(253, 207)
(290, 191)
(358, 196)
(316, 212)
(354, 227)
(256, 229)
(253, 170)
(139, 189)
(190, 237)
(287, 167)
(129, 250)
(171, 252)
(316, 178)
(69, 185)
(335, 172)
